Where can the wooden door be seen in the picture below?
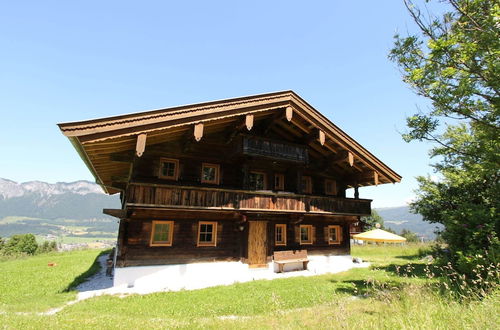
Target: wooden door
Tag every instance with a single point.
(257, 243)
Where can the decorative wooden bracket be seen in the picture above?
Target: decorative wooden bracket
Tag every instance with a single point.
(289, 113)
(140, 145)
(198, 131)
(249, 122)
(321, 137)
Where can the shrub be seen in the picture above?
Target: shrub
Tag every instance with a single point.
(21, 244)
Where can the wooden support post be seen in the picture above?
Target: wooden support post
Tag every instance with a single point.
(249, 122)
(140, 145)
(321, 137)
(375, 178)
(289, 113)
(356, 191)
(198, 131)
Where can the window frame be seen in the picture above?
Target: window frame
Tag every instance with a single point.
(264, 177)
(176, 171)
(338, 234)
(283, 234)
(281, 186)
(214, 234)
(310, 233)
(217, 173)
(308, 187)
(170, 234)
(334, 185)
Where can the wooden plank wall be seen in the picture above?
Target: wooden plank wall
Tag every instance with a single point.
(232, 244)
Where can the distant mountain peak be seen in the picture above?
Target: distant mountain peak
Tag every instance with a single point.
(11, 189)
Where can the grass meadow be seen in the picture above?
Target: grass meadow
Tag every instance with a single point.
(382, 296)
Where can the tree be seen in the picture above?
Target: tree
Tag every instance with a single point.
(372, 220)
(454, 62)
(21, 244)
(410, 236)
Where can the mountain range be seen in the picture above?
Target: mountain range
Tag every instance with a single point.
(73, 210)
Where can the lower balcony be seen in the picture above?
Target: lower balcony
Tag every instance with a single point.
(172, 196)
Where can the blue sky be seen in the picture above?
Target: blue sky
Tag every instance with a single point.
(65, 61)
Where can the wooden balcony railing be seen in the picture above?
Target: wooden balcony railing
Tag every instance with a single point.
(226, 199)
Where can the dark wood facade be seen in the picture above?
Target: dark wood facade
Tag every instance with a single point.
(242, 173)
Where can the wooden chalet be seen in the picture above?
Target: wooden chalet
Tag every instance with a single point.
(232, 181)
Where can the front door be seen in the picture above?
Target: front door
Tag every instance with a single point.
(257, 243)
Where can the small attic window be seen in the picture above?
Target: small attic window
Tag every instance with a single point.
(169, 169)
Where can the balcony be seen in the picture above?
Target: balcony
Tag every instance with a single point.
(255, 146)
(204, 198)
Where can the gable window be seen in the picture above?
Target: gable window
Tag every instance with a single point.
(210, 173)
(306, 185)
(257, 180)
(169, 169)
(280, 234)
(334, 234)
(330, 187)
(306, 235)
(161, 233)
(207, 233)
(279, 182)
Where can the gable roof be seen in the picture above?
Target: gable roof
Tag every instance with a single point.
(96, 139)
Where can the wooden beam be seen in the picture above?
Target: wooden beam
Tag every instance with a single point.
(198, 131)
(289, 113)
(375, 178)
(140, 146)
(249, 122)
(121, 157)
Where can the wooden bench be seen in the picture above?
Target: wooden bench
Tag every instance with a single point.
(287, 257)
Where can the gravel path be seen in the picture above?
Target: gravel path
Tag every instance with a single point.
(98, 281)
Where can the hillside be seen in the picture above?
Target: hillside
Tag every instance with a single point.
(399, 218)
(62, 209)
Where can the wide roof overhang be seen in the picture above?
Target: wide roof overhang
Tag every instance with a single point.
(98, 140)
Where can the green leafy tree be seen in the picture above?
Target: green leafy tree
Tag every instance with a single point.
(454, 61)
(21, 244)
(410, 236)
(372, 220)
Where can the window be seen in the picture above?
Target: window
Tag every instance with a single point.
(306, 185)
(330, 187)
(280, 234)
(257, 180)
(334, 234)
(162, 233)
(210, 173)
(207, 233)
(279, 182)
(169, 169)
(306, 235)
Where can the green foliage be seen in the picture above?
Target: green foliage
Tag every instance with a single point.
(455, 63)
(410, 236)
(46, 247)
(372, 220)
(20, 244)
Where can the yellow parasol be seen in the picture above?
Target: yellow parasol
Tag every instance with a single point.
(379, 235)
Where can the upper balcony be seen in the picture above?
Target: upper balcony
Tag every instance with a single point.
(208, 198)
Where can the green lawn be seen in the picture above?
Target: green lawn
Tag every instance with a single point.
(364, 298)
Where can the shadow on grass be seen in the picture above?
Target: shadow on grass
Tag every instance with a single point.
(415, 270)
(93, 269)
(364, 288)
